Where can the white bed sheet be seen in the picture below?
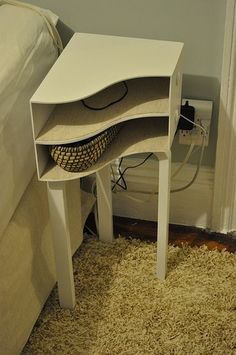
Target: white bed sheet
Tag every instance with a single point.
(26, 55)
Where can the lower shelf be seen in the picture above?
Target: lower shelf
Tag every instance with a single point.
(136, 136)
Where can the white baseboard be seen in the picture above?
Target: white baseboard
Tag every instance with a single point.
(191, 207)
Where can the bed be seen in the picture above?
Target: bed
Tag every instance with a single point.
(27, 271)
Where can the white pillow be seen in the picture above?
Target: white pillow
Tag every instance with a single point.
(51, 15)
(54, 18)
(48, 16)
(22, 32)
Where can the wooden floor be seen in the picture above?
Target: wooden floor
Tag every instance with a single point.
(146, 230)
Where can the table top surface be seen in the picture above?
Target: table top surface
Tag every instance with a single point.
(92, 62)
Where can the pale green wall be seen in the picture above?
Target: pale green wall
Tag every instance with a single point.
(197, 23)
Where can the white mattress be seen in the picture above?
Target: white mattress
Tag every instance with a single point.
(27, 53)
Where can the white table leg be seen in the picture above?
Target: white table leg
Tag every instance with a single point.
(163, 213)
(64, 199)
(104, 204)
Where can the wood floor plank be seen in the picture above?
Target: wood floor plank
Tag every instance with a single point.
(146, 230)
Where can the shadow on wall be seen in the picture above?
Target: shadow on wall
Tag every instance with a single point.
(65, 32)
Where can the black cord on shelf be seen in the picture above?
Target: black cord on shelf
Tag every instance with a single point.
(110, 104)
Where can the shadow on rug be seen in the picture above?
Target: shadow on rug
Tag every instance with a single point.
(122, 308)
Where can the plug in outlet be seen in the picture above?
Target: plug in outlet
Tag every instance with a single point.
(203, 113)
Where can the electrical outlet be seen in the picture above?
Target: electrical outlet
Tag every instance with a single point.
(203, 114)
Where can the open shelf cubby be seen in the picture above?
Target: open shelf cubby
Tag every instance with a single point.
(143, 115)
(71, 122)
(148, 112)
(135, 136)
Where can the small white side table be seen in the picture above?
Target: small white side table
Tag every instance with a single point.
(150, 113)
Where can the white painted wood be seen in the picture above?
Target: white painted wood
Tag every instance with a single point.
(93, 62)
(72, 122)
(69, 207)
(224, 203)
(191, 207)
(148, 135)
(42, 158)
(148, 96)
(174, 100)
(88, 200)
(84, 68)
(163, 213)
(104, 203)
(39, 116)
(87, 203)
(42, 112)
(75, 212)
(58, 206)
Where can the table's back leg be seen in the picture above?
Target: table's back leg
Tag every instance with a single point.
(163, 213)
(104, 204)
(65, 222)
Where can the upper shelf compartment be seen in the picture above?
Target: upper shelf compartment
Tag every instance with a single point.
(146, 97)
(92, 62)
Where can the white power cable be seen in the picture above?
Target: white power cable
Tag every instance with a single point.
(200, 158)
(195, 124)
(181, 166)
(175, 173)
(137, 200)
(196, 172)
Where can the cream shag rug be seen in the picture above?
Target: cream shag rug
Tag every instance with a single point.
(122, 308)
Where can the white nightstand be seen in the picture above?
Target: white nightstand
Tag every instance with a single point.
(149, 112)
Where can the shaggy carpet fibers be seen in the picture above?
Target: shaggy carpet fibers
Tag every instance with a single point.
(122, 308)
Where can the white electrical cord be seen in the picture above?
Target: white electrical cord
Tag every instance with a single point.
(184, 162)
(200, 158)
(195, 124)
(181, 166)
(175, 173)
(93, 188)
(50, 25)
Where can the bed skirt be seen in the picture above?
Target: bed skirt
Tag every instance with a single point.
(27, 269)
